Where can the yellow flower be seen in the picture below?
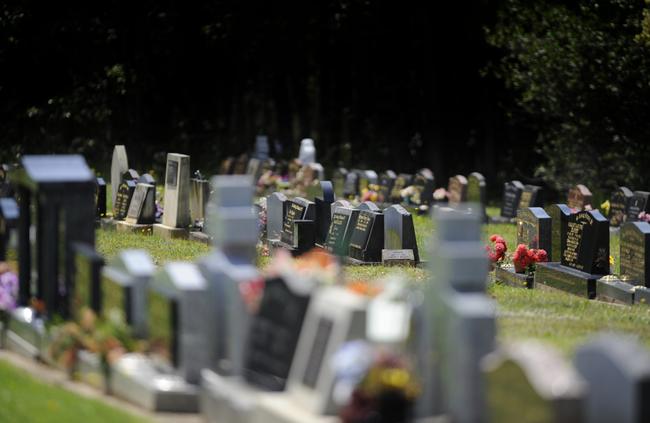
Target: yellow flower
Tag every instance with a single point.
(611, 260)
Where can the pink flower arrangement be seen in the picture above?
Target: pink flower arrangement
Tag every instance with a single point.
(644, 217)
(496, 251)
(525, 259)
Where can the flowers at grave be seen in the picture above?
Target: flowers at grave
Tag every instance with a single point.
(159, 210)
(8, 290)
(525, 259)
(440, 194)
(411, 194)
(315, 265)
(262, 218)
(372, 193)
(365, 288)
(496, 251)
(375, 385)
(605, 207)
(644, 217)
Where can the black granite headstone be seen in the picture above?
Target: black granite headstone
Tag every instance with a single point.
(511, 197)
(131, 175)
(399, 232)
(531, 197)
(142, 207)
(386, 183)
(619, 205)
(297, 209)
(586, 244)
(367, 239)
(343, 223)
(100, 197)
(86, 289)
(339, 179)
(559, 217)
(274, 335)
(634, 247)
(639, 203)
(123, 199)
(534, 228)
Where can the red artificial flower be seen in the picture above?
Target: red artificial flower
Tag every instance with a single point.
(542, 256)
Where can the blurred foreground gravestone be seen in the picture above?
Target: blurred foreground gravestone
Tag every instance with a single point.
(9, 214)
(458, 326)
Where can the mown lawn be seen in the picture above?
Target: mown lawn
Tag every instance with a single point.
(24, 399)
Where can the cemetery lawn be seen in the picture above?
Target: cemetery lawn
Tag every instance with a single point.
(23, 399)
(555, 317)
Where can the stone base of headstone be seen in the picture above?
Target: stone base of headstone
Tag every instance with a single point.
(137, 379)
(169, 232)
(398, 258)
(228, 399)
(89, 369)
(199, 236)
(642, 295)
(108, 223)
(610, 288)
(502, 220)
(506, 274)
(25, 333)
(123, 226)
(283, 408)
(567, 279)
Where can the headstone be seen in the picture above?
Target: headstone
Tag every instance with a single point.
(531, 197)
(340, 203)
(476, 192)
(131, 175)
(226, 167)
(534, 228)
(339, 179)
(399, 232)
(119, 165)
(146, 178)
(241, 164)
(386, 183)
(276, 206)
(457, 190)
(369, 205)
(619, 205)
(426, 184)
(199, 193)
(639, 203)
(307, 152)
(586, 246)
(512, 192)
(532, 377)
(142, 207)
(86, 291)
(9, 214)
(274, 333)
(124, 284)
(335, 315)
(261, 147)
(178, 335)
(367, 238)
(254, 168)
(617, 370)
(402, 181)
(298, 209)
(579, 197)
(123, 200)
(367, 178)
(559, 214)
(100, 198)
(177, 191)
(351, 187)
(635, 247)
(338, 236)
(323, 211)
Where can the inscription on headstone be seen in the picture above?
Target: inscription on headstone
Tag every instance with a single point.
(511, 197)
(559, 217)
(367, 239)
(123, 200)
(534, 228)
(619, 205)
(586, 246)
(635, 245)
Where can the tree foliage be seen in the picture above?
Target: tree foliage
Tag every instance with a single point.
(581, 75)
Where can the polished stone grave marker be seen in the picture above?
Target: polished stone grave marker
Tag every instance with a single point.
(298, 228)
(559, 217)
(399, 234)
(338, 237)
(579, 197)
(457, 190)
(619, 204)
(512, 192)
(617, 370)
(142, 208)
(639, 203)
(100, 198)
(426, 184)
(119, 165)
(530, 197)
(323, 212)
(367, 238)
(123, 199)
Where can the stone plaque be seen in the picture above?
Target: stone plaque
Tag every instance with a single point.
(559, 217)
(638, 204)
(123, 200)
(457, 190)
(579, 197)
(534, 228)
(511, 198)
(274, 335)
(367, 239)
(619, 205)
(635, 241)
(586, 245)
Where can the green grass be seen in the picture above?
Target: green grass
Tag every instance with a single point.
(24, 399)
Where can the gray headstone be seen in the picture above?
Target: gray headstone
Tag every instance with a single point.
(512, 192)
(307, 152)
(619, 204)
(399, 232)
(340, 203)
(177, 191)
(617, 370)
(119, 165)
(534, 228)
(275, 209)
(457, 189)
(199, 194)
(634, 249)
(528, 382)
(142, 209)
